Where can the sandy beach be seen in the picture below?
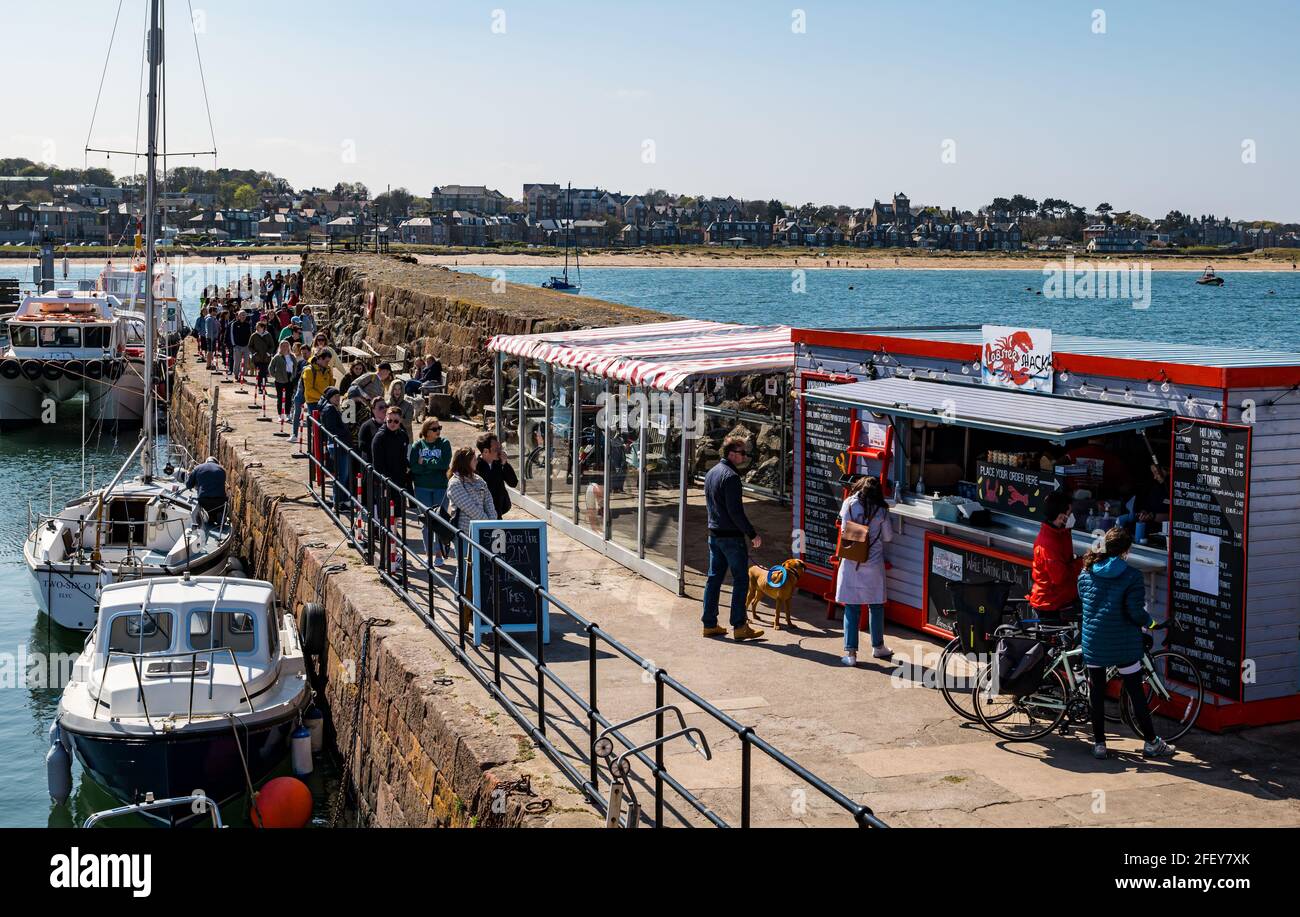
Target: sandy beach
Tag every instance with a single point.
(866, 260)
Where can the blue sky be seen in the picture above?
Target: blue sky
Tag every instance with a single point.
(1150, 114)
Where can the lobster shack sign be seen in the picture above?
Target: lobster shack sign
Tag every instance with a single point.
(1017, 358)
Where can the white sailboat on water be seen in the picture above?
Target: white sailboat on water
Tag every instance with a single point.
(140, 526)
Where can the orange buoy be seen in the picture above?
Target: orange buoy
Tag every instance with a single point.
(284, 802)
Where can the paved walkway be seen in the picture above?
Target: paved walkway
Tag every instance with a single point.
(880, 738)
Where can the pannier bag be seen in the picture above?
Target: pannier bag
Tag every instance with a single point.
(1021, 663)
(978, 606)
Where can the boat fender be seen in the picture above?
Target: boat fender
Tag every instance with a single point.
(94, 369)
(75, 369)
(114, 369)
(31, 369)
(311, 625)
(234, 566)
(300, 751)
(10, 369)
(58, 767)
(52, 371)
(314, 720)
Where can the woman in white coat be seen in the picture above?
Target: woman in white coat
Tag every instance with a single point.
(864, 517)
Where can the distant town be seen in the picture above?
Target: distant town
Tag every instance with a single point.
(249, 208)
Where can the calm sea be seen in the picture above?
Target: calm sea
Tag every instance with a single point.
(1249, 310)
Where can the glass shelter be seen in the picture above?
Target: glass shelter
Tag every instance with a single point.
(612, 431)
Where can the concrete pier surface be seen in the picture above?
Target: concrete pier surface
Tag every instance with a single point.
(877, 737)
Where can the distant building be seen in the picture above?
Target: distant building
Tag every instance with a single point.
(476, 198)
(17, 222)
(423, 231)
(18, 185)
(748, 232)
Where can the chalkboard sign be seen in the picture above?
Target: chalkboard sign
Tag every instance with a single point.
(1015, 491)
(522, 545)
(1209, 488)
(983, 572)
(826, 432)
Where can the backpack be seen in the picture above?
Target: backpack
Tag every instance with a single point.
(1021, 663)
(978, 607)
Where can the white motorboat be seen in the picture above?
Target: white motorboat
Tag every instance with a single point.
(65, 343)
(186, 685)
(128, 286)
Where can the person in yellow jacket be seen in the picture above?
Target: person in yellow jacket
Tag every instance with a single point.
(317, 377)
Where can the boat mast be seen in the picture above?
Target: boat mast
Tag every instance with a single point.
(154, 52)
(568, 197)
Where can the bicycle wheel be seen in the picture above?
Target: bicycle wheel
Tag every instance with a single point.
(956, 674)
(1174, 704)
(1021, 719)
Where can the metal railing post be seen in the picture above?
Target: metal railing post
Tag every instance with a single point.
(541, 664)
(595, 707)
(496, 622)
(659, 749)
(746, 753)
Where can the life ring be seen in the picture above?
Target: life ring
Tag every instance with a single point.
(94, 369)
(52, 371)
(31, 369)
(75, 369)
(10, 369)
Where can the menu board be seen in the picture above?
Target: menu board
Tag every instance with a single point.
(984, 576)
(1015, 491)
(522, 545)
(1209, 490)
(826, 432)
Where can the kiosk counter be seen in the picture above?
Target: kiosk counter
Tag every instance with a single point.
(1190, 447)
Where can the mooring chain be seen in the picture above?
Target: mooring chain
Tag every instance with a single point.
(524, 787)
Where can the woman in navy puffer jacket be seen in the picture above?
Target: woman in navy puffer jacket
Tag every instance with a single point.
(1113, 596)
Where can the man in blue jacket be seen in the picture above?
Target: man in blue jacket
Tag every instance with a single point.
(208, 481)
(730, 538)
(331, 421)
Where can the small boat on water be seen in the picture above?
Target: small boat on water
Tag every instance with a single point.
(1209, 278)
(561, 282)
(142, 528)
(186, 685)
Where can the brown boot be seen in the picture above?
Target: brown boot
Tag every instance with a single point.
(715, 631)
(745, 632)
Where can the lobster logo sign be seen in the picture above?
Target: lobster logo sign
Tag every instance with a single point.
(1019, 358)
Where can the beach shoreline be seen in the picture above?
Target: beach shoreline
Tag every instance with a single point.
(866, 260)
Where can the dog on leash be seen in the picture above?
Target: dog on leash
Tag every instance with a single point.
(777, 586)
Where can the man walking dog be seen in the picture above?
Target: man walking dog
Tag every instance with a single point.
(730, 538)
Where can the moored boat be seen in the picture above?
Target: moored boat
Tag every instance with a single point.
(186, 685)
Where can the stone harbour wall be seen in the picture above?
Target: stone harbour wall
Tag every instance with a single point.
(423, 743)
(436, 311)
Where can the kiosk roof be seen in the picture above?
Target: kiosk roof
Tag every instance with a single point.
(987, 408)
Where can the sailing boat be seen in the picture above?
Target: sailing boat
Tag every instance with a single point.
(137, 527)
(561, 283)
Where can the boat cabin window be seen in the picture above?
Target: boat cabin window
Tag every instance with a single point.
(60, 336)
(134, 334)
(234, 629)
(136, 632)
(23, 335)
(97, 336)
(272, 633)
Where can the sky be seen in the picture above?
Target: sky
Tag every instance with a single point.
(1144, 104)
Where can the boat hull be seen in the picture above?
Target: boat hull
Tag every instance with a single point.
(71, 596)
(179, 763)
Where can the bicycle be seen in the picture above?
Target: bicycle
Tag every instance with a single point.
(1061, 699)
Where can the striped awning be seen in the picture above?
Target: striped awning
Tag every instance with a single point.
(663, 355)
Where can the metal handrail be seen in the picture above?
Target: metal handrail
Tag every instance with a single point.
(193, 656)
(320, 470)
(151, 804)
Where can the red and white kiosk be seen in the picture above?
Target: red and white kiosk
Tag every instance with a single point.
(994, 420)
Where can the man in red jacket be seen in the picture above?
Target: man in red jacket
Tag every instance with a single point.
(1055, 592)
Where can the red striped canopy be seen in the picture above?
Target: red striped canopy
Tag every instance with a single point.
(663, 355)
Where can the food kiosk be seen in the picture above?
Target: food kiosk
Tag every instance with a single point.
(1191, 447)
